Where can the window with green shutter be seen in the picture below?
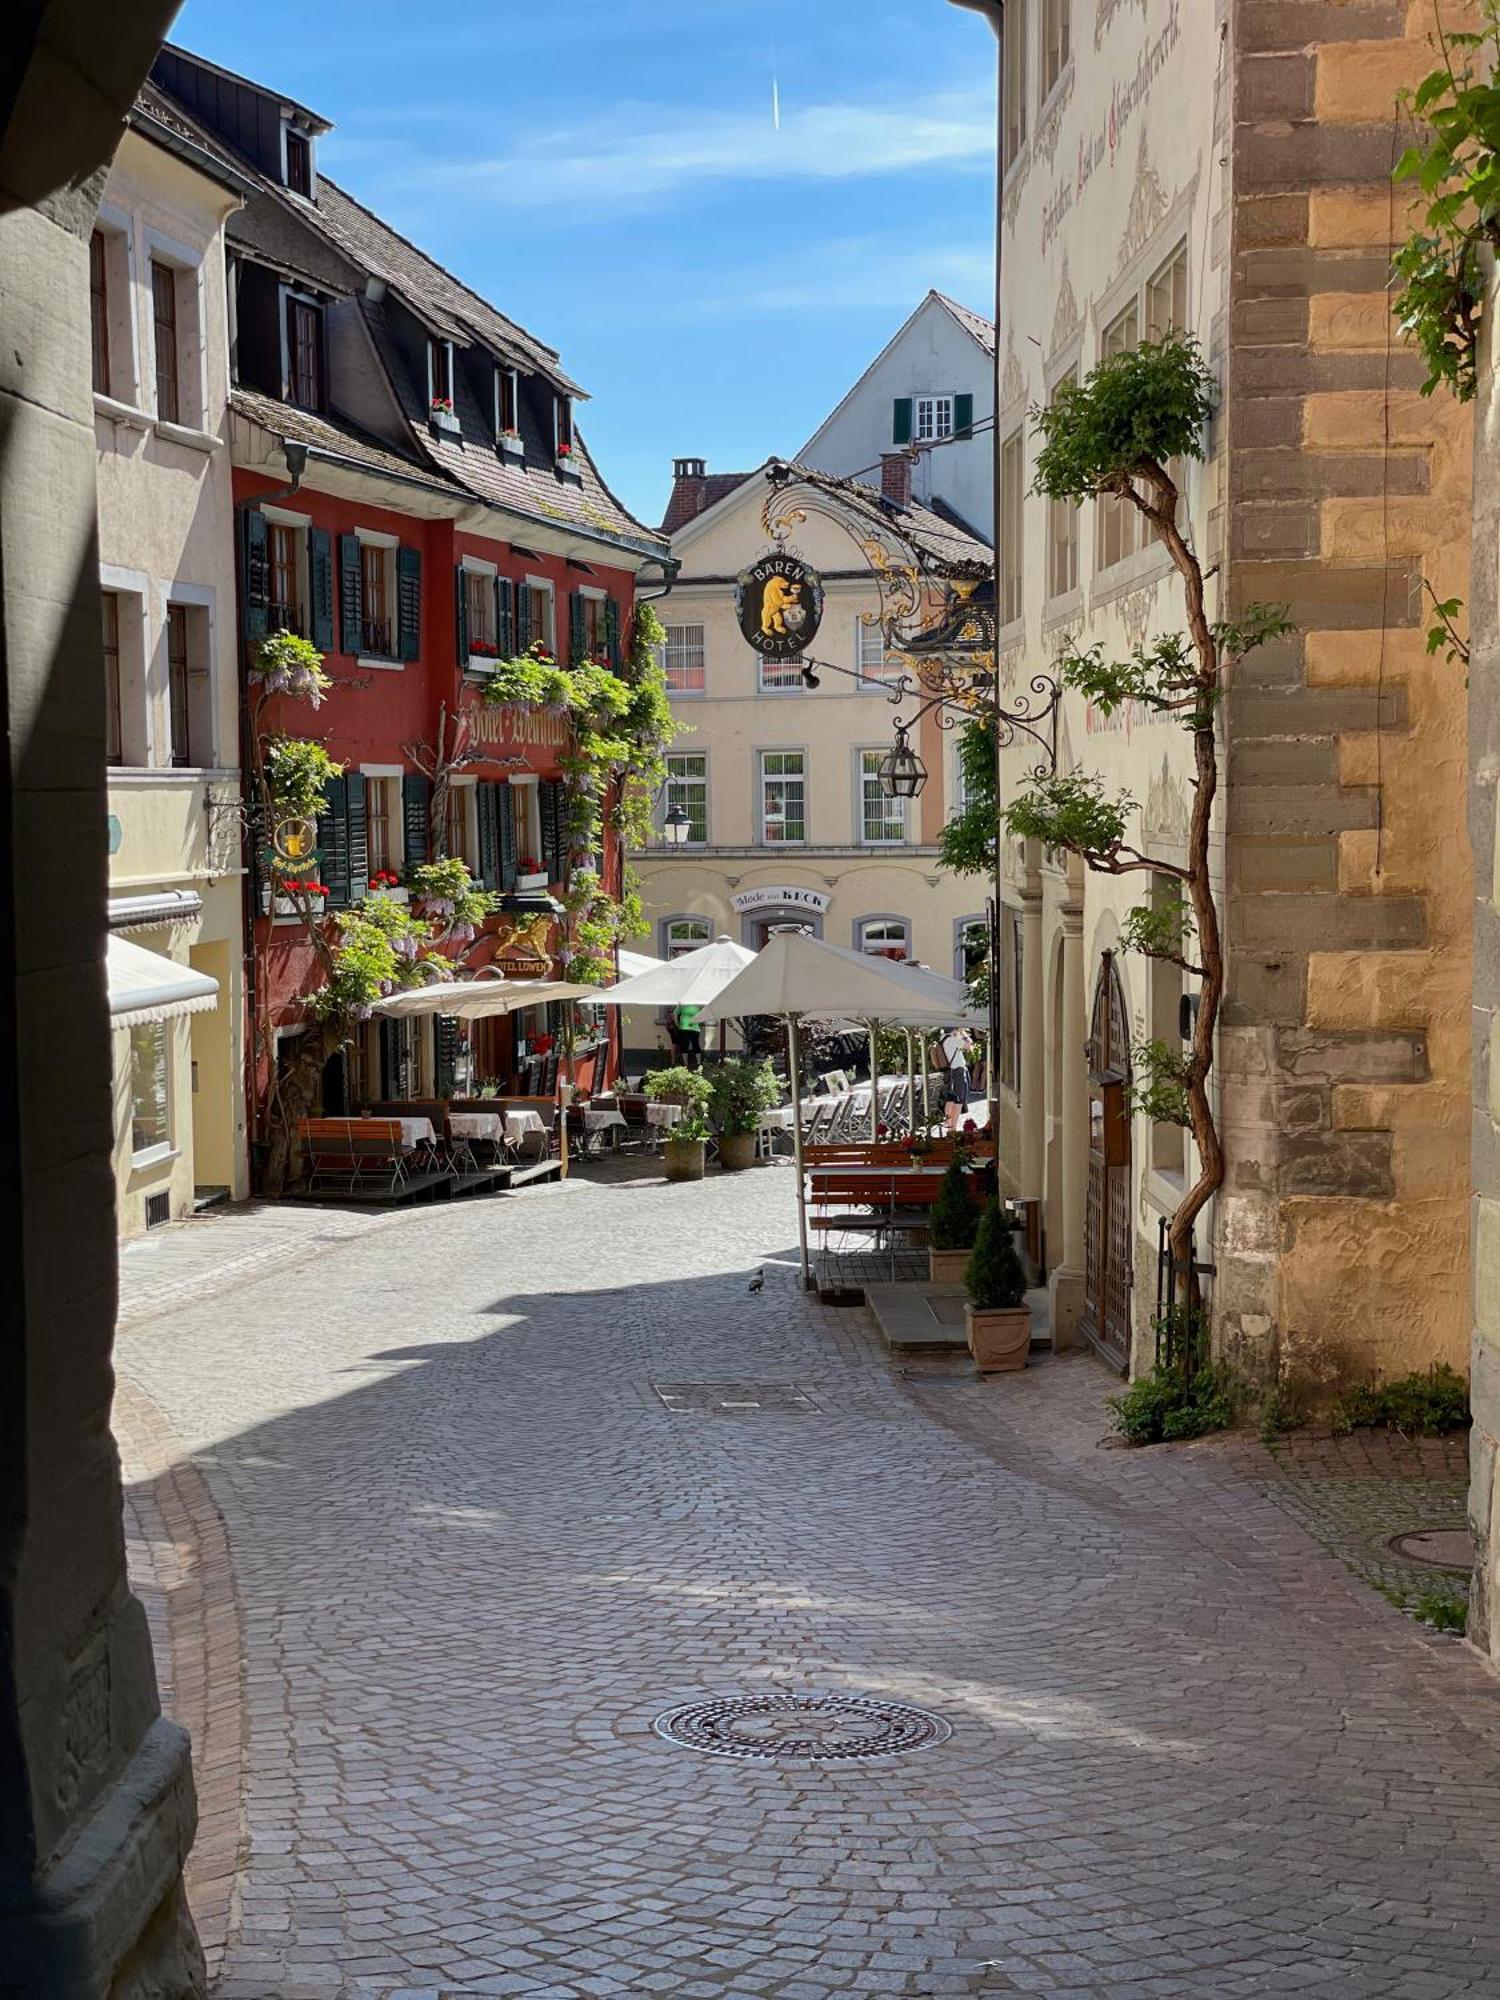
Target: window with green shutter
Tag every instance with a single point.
(505, 807)
(255, 580)
(963, 416)
(901, 421)
(549, 801)
(320, 587)
(578, 632)
(351, 595)
(333, 843)
(416, 815)
(505, 617)
(409, 604)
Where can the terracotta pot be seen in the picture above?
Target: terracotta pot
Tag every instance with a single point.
(736, 1151)
(682, 1159)
(947, 1267)
(998, 1341)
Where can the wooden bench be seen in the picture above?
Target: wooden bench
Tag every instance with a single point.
(354, 1151)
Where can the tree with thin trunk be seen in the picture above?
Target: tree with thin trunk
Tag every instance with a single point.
(1117, 437)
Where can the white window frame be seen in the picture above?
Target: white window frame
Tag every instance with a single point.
(387, 774)
(694, 693)
(377, 538)
(672, 784)
(301, 526)
(1059, 510)
(186, 261)
(874, 676)
(1014, 123)
(892, 809)
(545, 583)
(452, 416)
(1055, 39)
(765, 777)
(561, 403)
(1013, 527)
(195, 597)
(763, 666)
(526, 815)
(290, 122)
(284, 295)
(508, 440)
(463, 790)
(124, 402)
(591, 594)
(160, 1150)
(139, 729)
(704, 924)
(477, 566)
(938, 404)
(864, 925)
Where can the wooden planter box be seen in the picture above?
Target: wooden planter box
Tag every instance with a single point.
(947, 1267)
(998, 1341)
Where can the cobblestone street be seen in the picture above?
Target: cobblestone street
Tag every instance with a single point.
(419, 1474)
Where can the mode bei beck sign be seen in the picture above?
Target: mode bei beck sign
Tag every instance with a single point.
(779, 602)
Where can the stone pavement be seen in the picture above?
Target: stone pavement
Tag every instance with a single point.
(475, 1554)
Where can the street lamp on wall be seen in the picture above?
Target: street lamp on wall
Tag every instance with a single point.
(676, 827)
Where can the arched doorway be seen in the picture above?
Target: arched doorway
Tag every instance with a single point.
(1107, 1273)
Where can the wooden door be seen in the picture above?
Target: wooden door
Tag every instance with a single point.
(1107, 1262)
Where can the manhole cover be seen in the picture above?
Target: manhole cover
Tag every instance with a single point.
(801, 1728)
(733, 1399)
(1441, 1548)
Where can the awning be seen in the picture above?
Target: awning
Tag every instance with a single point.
(149, 913)
(144, 986)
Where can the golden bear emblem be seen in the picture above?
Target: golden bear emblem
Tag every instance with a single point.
(781, 612)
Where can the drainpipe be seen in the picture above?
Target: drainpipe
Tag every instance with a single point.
(295, 455)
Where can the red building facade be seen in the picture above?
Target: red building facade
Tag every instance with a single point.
(413, 496)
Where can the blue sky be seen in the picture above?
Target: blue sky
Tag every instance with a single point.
(608, 172)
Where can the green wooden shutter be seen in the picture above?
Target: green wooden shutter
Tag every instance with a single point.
(359, 836)
(523, 618)
(351, 595)
(505, 805)
(409, 604)
(461, 613)
(445, 1055)
(612, 632)
(255, 582)
(320, 578)
(550, 812)
(333, 844)
(504, 617)
(901, 421)
(416, 817)
(577, 632)
(963, 416)
(489, 837)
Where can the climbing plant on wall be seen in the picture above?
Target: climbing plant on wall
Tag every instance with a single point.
(1117, 434)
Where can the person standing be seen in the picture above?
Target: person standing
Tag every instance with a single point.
(954, 1050)
(690, 1036)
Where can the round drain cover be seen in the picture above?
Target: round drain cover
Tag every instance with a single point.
(1443, 1548)
(801, 1728)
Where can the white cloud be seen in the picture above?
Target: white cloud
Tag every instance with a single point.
(651, 152)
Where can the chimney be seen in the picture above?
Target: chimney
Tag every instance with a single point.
(688, 475)
(895, 477)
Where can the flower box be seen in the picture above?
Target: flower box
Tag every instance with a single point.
(292, 906)
(537, 880)
(511, 445)
(444, 420)
(392, 894)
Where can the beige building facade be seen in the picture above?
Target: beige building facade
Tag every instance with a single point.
(167, 578)
(1220, 171)
(787, 820)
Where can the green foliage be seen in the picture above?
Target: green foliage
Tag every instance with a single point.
(1256, 626)
(1440, 1610)
(298, 772)
(1281, 1411)
(679, 1085)
(955, 1219)
(1159, 676)
(1070, 810)
(741, 1089)
(1159, 1091)
(1455, 165)
(1443, 635)
(690, 1126)
(284, 664)
(966, 845)
(449, 892)
(1424, 1404)
(378, 947)
(1159, 930)
(1173, 1403)
(995, 1279)
(1132, 412)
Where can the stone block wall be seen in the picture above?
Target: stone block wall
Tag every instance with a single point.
(1343, 1240)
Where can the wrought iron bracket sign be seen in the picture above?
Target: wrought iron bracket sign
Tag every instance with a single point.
(779, 603)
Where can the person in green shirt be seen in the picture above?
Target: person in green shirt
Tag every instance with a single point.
(690, 1036)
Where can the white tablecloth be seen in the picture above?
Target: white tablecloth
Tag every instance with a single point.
(416, 1132)
(663, 1114)
(777, 1119)
(518, 1123)
(604, 1119)
(478, 1124)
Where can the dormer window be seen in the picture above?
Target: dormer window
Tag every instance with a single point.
(507, 406)
(304, 353)
(440, 383)
(299, 163)
(562, 426)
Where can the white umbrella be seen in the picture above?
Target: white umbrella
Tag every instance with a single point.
(473, 999)
(633, 963)
(798, 975)
(690, 981)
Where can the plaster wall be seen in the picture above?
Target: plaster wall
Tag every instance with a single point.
(931, 355)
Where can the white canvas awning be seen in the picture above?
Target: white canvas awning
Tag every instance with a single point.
(474, 999)
(150, 913)
(689, 981)
(633, 963)
(798, 974)
(144, 986)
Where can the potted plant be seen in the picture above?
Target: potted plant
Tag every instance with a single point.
(742, 1089)
(683, 1153)
(997, 1317)
(530, 874)
(955, 1223)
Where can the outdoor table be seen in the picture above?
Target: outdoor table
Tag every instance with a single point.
(519, 1123)
(478, 1124)
(777, 1119)
(416, 1132)
(660, 1118)
(599, 1119)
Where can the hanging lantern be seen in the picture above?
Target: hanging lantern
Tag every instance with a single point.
(902, 772)
(677, 827)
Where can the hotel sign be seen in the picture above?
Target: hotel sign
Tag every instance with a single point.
(779, 603)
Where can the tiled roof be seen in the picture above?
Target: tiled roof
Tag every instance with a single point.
(693, 493)
(342, 440)
(973, 323)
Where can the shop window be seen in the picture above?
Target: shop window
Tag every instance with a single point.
(150, 1092)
